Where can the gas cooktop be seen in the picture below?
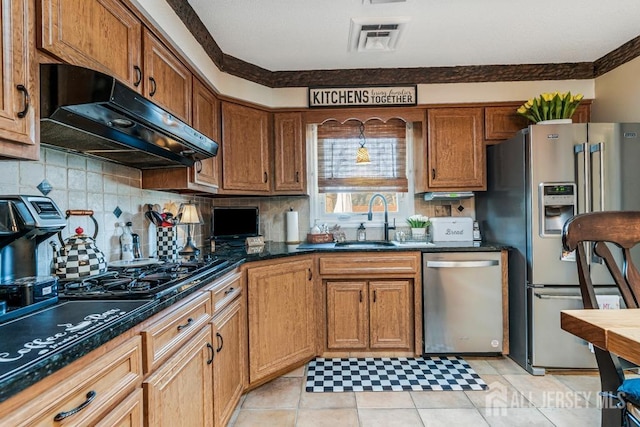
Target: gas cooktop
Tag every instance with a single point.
(141, 282)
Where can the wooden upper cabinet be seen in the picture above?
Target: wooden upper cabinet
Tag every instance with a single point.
(246, 166)
(455, 149)
(206, 119)
(582, 113)
(290, 154)
(101, 34)
(19, 121)
(167, 81)
(203, 177)
(502, 122)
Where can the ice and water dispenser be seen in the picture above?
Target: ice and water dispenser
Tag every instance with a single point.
(557, 205)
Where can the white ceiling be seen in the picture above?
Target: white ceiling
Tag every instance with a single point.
(288, 35)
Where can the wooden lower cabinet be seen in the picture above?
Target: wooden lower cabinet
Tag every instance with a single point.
(369, 315)
(91, 389)
(228, 365)
(281, 317)
(179, 393)
(347, 315)
(129, 413)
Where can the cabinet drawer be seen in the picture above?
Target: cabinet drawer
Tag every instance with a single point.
(173, 327)
(225, 290)
(369, 263)
(96, 386)
(127, 413)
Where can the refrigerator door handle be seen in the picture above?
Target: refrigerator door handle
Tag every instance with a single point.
(599, 148)
(462, 264)
(583, 149)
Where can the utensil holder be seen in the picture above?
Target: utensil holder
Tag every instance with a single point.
(167, 243)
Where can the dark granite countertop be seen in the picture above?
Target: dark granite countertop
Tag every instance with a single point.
(35, 346)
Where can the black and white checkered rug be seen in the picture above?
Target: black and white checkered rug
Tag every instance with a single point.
(392, 374)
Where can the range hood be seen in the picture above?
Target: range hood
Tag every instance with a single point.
(448, 196)
(85, 111)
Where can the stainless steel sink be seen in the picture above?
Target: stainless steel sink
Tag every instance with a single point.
(412, 244)
(366, 244)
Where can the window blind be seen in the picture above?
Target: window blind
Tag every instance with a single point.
(337, 147)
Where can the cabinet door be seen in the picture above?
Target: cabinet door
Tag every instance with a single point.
(281, 317)
(245, 149)
(290, 157)
(180, 392)
(502, 122)
(347, 315)
(19, 121)
(391, 314)
(206, 119)
(455, 151)
(101, 34)
(228, 366)
(167, 81)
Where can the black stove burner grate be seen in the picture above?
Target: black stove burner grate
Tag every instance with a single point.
(138, 282)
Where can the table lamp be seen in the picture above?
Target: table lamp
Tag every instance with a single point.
(189, 215)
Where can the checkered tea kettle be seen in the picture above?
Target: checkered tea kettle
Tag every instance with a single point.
(79, 256)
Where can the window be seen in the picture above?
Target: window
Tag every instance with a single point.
(341, 188)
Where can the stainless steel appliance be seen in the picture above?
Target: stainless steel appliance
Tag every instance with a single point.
(25, 222)
(462, 302)
(537, 180)
(86, 111)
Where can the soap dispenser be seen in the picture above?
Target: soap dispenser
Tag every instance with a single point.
(126, 242)
(362, 233)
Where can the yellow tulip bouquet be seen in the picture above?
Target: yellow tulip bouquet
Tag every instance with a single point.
(549, 106)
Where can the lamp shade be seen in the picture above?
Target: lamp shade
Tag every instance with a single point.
(362, 156)
(189, 213)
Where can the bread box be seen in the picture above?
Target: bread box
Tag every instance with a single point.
(452, 229)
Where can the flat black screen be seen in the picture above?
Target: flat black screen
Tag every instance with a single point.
(229, 223)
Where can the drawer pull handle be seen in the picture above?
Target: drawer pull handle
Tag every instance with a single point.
(375, 296)
(219, 338)
(310, 274)
(210, 347)
(228, 291)
(27, 100)
(189, 322)
(360, 296)
(62, 415)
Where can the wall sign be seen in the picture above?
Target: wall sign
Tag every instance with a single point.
(356, 96)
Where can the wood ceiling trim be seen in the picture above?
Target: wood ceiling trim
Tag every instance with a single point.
(394, 76)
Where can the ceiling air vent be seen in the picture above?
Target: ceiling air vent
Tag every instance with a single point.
(383, 1)
(376, 34)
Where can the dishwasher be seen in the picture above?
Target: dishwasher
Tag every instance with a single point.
(462, 302)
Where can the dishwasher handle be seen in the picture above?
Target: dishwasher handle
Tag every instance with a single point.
(462, 264)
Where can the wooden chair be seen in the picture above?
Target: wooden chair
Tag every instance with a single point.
(607, 233)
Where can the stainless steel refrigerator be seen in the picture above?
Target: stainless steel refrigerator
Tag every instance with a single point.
(536, 181)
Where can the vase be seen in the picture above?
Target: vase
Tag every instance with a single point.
(555, 122)
(418, 233)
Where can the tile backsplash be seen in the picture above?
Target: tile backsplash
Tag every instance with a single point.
(80, 182)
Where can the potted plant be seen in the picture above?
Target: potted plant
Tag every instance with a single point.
(554, 106)
(418, 224)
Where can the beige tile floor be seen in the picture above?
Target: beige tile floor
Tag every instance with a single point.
(515, 398)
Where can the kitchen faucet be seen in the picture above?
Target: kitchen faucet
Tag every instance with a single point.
(386, 215)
